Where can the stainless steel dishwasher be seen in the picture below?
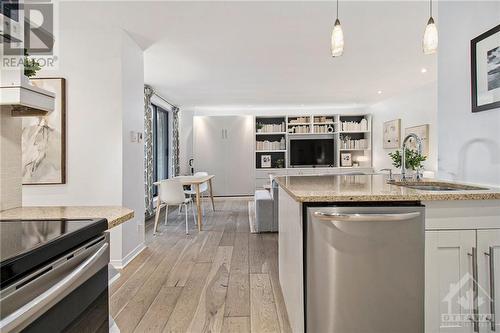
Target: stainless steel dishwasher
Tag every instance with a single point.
(365, 269)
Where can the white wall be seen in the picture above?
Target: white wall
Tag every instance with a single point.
(94, 129)
(104, 76)
(133, 232)
(414, 108)
(469, 144)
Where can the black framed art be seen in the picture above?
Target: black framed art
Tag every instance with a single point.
(485, 70)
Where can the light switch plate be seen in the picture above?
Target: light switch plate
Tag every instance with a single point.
(133, 136)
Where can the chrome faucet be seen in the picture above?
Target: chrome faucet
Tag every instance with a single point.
(403, 155)
(390, 179)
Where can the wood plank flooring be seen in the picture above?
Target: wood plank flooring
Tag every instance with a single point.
(222, 279)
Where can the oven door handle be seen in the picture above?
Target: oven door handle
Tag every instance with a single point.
(339, 217)
(25, 312)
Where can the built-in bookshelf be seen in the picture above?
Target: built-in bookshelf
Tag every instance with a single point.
(351, 135)
(354, 139)
(270, 142)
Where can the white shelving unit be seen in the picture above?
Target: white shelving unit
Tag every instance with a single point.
(338, 127)
(360, 155)
(278, 156)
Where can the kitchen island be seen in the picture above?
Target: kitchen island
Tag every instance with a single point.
(459, 226)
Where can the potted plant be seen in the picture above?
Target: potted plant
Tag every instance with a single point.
(31, 66)
(414, 160)
(259, 127)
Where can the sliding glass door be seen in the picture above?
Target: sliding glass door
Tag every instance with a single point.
(161, 144)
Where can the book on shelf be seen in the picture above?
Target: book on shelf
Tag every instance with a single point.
(271, 145)
(271, 128)
(353, 126)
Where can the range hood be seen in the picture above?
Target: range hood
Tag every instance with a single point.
(21, 98)
(17, 95)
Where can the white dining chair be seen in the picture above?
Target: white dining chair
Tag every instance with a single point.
(171, 193)
(203, 189)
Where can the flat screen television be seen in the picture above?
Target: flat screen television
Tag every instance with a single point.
(311, 152)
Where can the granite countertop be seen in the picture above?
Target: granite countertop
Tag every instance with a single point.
(115, 215)
(335, 188)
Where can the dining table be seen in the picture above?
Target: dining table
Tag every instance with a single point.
(196, 182)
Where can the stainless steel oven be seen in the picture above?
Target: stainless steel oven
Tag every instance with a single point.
(67, 293)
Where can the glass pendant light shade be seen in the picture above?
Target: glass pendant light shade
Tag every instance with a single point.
(337, 40)
(430, 42)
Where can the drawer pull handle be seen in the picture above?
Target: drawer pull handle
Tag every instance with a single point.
(491, 260)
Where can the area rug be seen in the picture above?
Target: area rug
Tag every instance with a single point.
(251, 217)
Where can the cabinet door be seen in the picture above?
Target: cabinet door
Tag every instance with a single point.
(239, 163)
(488, 252)
(210, 149)
(448, 280)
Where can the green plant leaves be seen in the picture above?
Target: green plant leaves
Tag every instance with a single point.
(414, 160)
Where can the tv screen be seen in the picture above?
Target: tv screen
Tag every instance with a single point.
(311, 152)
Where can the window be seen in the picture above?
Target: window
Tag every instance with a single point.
(160, 145)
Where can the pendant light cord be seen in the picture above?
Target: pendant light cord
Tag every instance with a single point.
(430, 7)
(337, 9)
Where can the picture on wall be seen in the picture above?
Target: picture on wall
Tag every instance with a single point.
(44, 139)
(422, 131)
(485, 70)
(392, 134)
(346, 159)
(265, 161)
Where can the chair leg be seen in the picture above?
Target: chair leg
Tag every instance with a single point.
(179, 211)
(157, 216)
(186, 212)
(203, 204)
(192, 210)
(166, 214)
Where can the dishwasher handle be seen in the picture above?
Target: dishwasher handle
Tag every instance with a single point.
(22, 314)
(341, 217)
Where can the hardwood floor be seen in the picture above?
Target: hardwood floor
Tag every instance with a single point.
(222, 279)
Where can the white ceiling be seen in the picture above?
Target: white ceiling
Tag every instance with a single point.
(276, 53)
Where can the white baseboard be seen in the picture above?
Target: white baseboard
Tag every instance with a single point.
(120, 264)
(113, 279)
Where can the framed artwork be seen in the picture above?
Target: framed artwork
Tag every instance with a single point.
(44, 139)
(392, 134)
(485, 70)
(422, 131)
(265, 161)
(346, 159)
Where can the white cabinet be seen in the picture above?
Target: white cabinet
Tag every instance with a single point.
(488, 259)
(223, 146)
(455, 260)
(447, 260)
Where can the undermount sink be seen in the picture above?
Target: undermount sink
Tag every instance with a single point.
(438, 186)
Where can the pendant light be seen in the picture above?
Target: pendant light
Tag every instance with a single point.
(337, 37)
(430, 41)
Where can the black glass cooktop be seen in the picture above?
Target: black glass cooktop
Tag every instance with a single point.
(25, 245)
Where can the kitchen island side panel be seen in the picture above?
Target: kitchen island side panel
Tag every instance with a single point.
(290, 252)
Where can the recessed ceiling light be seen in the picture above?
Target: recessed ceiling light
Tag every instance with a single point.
(379, 92)
(423, 70)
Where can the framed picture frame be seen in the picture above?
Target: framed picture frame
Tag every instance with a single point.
(265, 161)
(485, 70)
(44, 139)
(346, 160)
(392, 134)
(422, 131)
